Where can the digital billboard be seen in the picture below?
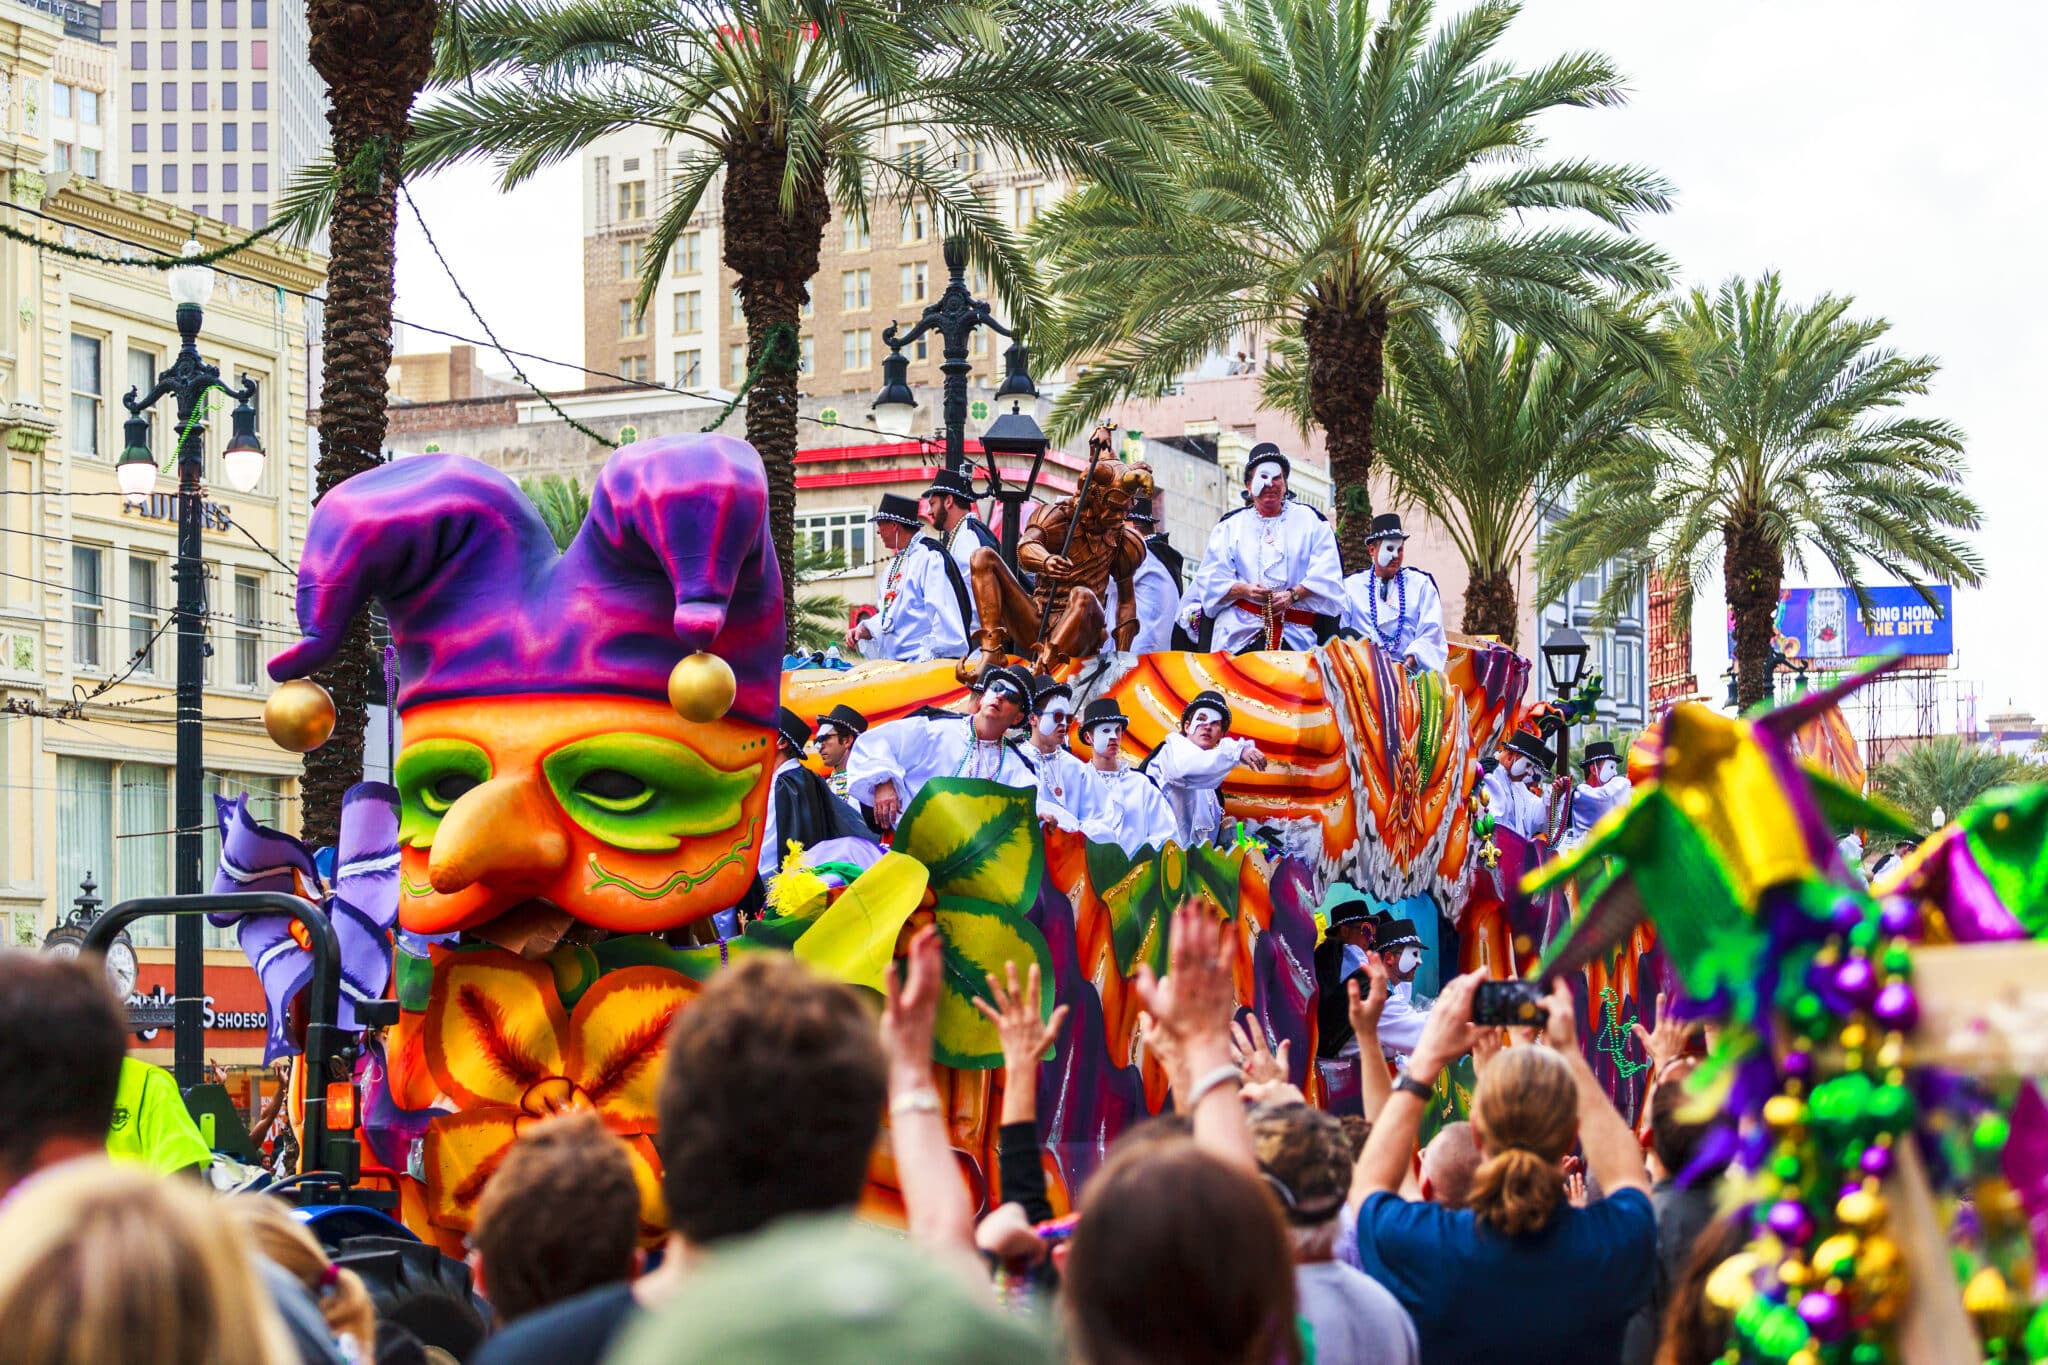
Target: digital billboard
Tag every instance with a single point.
(1827, 625)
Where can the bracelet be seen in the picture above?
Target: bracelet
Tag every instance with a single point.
(1222, 1075)
(924, 1100)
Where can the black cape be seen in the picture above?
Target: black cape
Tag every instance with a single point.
(1333, 1002)
(808, 812)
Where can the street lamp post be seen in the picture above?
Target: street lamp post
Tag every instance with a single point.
(1564, 659)
(954, 316)
(189, 380)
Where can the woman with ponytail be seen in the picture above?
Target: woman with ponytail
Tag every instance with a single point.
(1519, 1274)
(344, 1302)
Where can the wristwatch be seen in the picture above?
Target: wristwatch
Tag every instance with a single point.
(1414, 1087)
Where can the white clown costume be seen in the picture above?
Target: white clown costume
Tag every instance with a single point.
(1402, 614)
(920, 615)
(1295, 549)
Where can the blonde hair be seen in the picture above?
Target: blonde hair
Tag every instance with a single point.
(110, 1265)
(1527, 1114)
(343, 1301)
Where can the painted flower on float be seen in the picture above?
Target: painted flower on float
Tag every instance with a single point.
(361, 900)
(544, 776)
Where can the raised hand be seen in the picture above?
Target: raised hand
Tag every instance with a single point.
(1450, 1032)
(910, 1008)
(888, 805)
(1259, 1063)
(1015, 1013)
(1195, 999)
(1667, 1042)
(1367, 1006)
(1253, 759)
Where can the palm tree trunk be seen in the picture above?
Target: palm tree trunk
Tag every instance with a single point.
(1490, 604)
(1752, 567)
(1346, 371)
(775, 257)
(374, 55)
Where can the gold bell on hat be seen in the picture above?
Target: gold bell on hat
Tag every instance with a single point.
(702, 688)
(299, 716)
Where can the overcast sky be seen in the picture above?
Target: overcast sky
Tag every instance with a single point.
(1877, 148)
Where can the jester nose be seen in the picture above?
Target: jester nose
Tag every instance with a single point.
(504, 832)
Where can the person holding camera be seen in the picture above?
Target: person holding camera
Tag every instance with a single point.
(1558, 1283)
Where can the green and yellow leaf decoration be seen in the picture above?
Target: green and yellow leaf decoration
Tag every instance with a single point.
(978, 839)
(979, 938)
(855, 940)
(1141, 902)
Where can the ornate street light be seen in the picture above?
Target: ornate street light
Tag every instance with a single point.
(953, 315)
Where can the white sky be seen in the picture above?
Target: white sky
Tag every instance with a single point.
(1877, 148)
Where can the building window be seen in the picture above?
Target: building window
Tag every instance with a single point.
(230, 137)
(85, 823)
(145, 862)
(170, 178)
(198, 137)
(199, 94)
(89, 163)
(968, 160)
(138, 56)
(167, 14)
(689, 255)
(230, 95)
(857, 348)
(633, 369)
(230, 55)
(230, 178)
(854, 234)
(231, 215)
(629, 258)
(632, 200)
(143, 575)
(259, 136)
(916, 225)
(921, 349)
(736, 314)
(854, 289)
(199, 209)
(735, 365)
(138, 13)
(168, 96)
(88, 606)
(60, 156)
(230, 13)
(259, 94)
(632, 322)
(912, 281)
(88, 388)
(89, 107)
(199, 55)
(259, 55)
(248, 615)
(689, 369)
(806, 308)
(806, 355)
(138, 96)
(689, 311)
(138, 137)
(843, 535)
(170, 137)
(259, 214)
(138, 178)
(259, 13)
(1030, 203)
(259, 177)
(60, 100)
(141, 378)
(199, 178)
(199, 13)
(167, 55)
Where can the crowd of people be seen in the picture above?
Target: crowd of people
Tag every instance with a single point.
(1243, 1227)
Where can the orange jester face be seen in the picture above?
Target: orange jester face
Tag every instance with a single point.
(613, 809)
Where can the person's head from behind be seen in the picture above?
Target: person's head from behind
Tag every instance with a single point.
(771, 1099)
(1676, 1132)
(1179, 1259)
(561, 1215)
(1526, 1117)
(1695, 1331)
(62, 1037)
(1306, 1159)
(343, 1300)
(1448, 1164)
(114, 1265)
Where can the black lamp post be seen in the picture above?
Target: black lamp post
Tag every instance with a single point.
(189, 380)
(1564, 659)
(954, 316)
(1013, 433)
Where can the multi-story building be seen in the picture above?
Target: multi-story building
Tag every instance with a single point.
(220, 104)
(80, 107)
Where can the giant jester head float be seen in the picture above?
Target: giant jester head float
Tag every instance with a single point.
(544, 773)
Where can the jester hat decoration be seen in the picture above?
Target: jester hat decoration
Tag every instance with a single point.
(544, 775)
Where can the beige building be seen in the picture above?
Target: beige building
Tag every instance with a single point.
(83, 77)
(87, 641)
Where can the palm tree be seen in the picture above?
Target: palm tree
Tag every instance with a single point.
(1331, 177)
(1778, 436)
(1947, 773)
(374, 56)
(1485, 435)
(787, 101)
(562, 503)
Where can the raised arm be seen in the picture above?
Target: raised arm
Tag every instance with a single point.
(1375, 1085)
(883, 755)
(1192, 1005)
(1449, 1035)
(935, 1200)
(1027, 1034)
(1613, 1156)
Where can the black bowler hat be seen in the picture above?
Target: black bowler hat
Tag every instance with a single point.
(1596, 751)
(1353, 909)
(1013, 683)
(951, 483)
(1389, 933)
(1265, 452)
(1045, 688)
(1103, 711)
(844, 719)
(899, 509)
(1141, 510)
(791, 727)
(1385, 526)
(1201, 699)
(1532, 748)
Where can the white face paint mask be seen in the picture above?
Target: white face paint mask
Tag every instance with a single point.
(1519, 769)
(1103, 734)
(1205, 716)
(1052, 723)
(1602, 772)
(1410, 959)
(1263, 475)
(1386, 552)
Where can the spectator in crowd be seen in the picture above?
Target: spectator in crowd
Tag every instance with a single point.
(1681, 1211)
(344, 1302)
(1559, 1282)
(117, 1266)
(560, 1216)
(770, 1104)
(152, 1127)
(1180, 1258)
(1694, 1331)
(62, 1038)
(1448, 1164)
(1306, 1160)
